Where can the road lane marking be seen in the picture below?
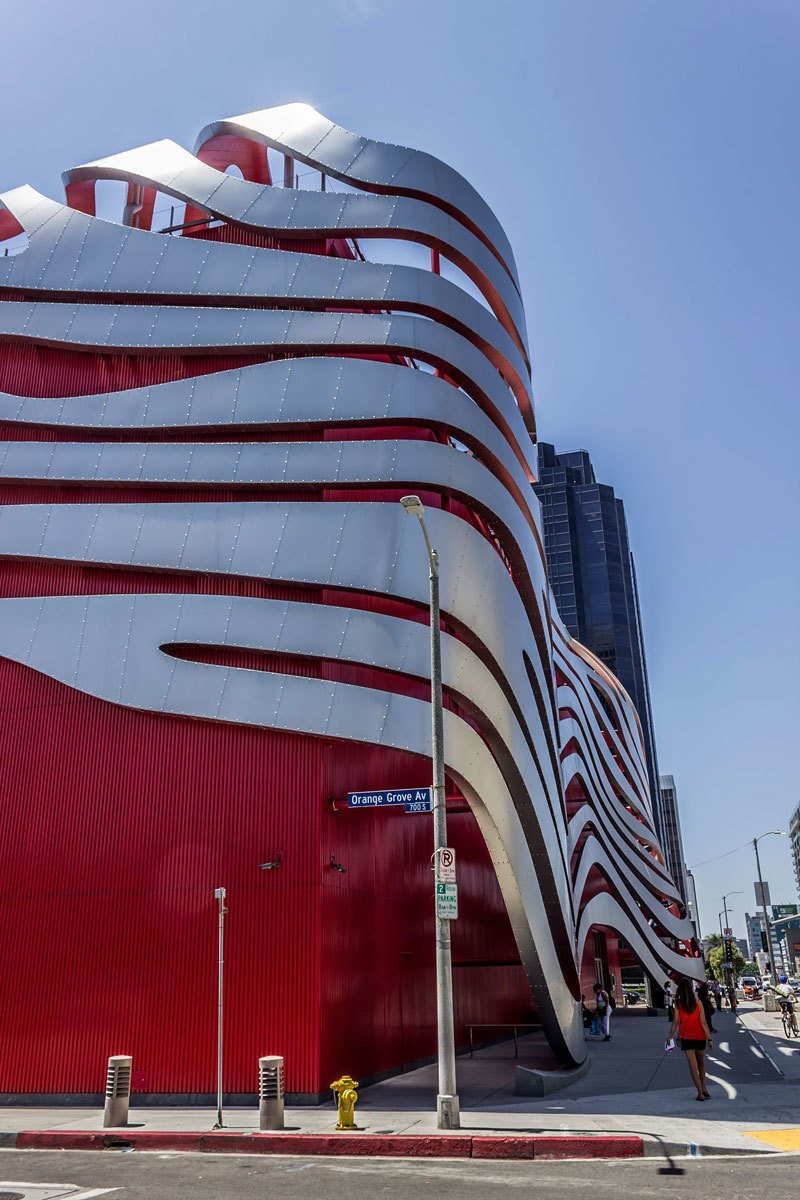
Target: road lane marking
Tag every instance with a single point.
(728, 1088)
(717, 1063)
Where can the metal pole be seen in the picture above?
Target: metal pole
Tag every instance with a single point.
(447, 1106)
(768, 928)
(219, 895)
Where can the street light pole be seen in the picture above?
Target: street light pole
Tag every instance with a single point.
(767, 926)
(447, 1104)
(737, 892)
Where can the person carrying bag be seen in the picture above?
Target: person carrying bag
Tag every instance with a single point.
(603, 1011)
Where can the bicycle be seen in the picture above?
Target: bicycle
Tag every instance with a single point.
(789, 1020)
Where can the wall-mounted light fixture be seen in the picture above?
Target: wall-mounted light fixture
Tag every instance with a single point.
(336, 866)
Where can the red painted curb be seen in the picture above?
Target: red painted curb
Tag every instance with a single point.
(502, 1147)
(354, 1145)
(89, 1139)
(598, 1146)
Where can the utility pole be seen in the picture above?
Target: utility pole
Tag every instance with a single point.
(729, 972)
(447, 1104)
(219, 896)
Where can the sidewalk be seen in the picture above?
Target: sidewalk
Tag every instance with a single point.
(632, 1090)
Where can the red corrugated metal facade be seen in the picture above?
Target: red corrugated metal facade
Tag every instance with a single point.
(117, 825)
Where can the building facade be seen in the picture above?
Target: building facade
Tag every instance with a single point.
(213, 625)
(671, 836)
(593, 578)
(757, 938)
(787, 933)
(794, 841)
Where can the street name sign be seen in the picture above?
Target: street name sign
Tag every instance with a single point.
(447, 901)
(414, 800)
(447, 865)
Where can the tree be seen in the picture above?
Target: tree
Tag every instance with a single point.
(716, 957)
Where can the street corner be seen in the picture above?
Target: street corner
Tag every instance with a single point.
(787, 1140)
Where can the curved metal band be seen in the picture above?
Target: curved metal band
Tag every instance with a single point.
(287, 394)
(146, 328)
(69, 255)
(171, 170)
(606, 911)
(301, 132)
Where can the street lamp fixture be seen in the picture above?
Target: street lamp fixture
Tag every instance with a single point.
(447, 1105)
(767, 925)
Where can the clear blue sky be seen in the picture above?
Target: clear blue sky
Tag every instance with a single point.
(642, 156)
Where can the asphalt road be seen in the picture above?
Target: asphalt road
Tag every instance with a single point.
(217, 1177)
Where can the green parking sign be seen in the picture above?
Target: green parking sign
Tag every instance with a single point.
(447, 901)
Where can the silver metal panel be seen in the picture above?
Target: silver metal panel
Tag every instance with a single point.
(303, 133)
(656, 958)
(130, 327)
(138, 262)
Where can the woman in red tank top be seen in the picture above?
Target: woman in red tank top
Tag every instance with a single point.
(690, 1021)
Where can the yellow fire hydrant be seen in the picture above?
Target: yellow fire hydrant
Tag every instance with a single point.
(346, 1095)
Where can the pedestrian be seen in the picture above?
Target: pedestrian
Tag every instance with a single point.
(717, 991)
(708, 1008)
(694, 1035)
(603, 1010)
(732, 997)
(585, 1014)
(669, 999)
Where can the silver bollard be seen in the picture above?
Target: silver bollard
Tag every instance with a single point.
(118, 1090)
(270, 1092)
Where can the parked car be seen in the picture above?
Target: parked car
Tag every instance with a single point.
(750, 986)
(631, 997)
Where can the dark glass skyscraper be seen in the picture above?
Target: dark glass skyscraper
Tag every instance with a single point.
(594, 581)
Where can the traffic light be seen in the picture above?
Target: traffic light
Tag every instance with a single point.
(728, 943)
(764, 940)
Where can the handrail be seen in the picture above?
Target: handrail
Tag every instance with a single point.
(501, 1025)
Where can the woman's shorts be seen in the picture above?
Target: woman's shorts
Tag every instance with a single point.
(693, 1043)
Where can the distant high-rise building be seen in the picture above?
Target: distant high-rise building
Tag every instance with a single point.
(794, 835)
(593, 578)
(671, 838)
(757, 938)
